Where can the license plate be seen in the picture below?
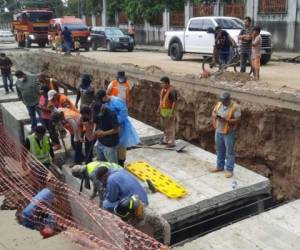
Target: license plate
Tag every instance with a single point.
(263, 51)
(125, 44)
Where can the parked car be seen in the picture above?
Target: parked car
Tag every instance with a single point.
(111, 38)
(197, 37)
(6, 36)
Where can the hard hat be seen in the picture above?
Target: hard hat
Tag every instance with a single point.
(78, 170)
(127, 206)
(47, 232)
(225, 96)
(51, 94)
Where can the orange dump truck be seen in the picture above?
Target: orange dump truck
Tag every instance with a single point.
(31, 26)
(80, 32)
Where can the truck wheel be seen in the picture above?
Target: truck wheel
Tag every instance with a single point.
(27, 43)
(265, 59)
(87, 49)
(94, 46)
(109, 46)
(130, 49)
(42, 44)
(176, 51)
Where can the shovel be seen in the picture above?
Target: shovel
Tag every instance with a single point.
(178, 148)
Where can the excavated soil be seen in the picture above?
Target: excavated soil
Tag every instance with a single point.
(268, 140)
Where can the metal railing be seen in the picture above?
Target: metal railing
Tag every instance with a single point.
(272, 6)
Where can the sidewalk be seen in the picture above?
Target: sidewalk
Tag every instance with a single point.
(276, 56)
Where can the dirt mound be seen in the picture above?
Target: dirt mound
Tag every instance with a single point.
(234, 77)
(154, 69)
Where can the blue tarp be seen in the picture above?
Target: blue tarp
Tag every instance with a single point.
(128, 134)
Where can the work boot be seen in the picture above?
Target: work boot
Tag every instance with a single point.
(215, 170)
(171, 145)
(228, 174)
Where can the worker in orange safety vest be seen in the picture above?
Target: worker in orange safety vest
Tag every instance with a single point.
(226, 118)
(166, 110)
(120, 87)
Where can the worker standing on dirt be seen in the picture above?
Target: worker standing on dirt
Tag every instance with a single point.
(166, 109)
(5, 65)
(132, 210)
(40, 146)
(107, 132)
(128, 135)
(67, 37)
(85, 92)
(223, 44)
(120, 87)
(28, 91)
(245, 39)
(226, 118)
(90, 170)
(46, 115)
(256, 51)
(119, 185)
(70, 120)
(57, 100)
(131, 31)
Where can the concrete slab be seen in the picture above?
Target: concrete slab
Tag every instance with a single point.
(15, 116)
(206, 191)
(148, 134)
(275, 229)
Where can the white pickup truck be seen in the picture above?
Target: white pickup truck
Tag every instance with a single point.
(198, 38)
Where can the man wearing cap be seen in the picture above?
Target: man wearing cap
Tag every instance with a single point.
(57, 100)
(119, 185)
(85, 92)
(90, 170)
(28, 91)
(128, 135)
(120, 87)
(226, 118)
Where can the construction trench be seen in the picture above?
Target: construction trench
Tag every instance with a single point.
(268, 141)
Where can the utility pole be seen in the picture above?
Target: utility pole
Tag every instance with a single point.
(104, 13)
(79, 8)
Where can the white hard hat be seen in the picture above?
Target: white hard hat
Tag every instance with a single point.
(51, 94)
(78, 169)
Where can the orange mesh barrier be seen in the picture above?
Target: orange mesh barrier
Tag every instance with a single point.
(22, 177)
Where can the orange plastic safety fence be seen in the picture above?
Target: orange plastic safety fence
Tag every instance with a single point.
(22, 176)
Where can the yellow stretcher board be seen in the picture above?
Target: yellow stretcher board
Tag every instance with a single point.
(163, 183)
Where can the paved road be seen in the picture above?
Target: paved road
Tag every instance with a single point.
(277, 74)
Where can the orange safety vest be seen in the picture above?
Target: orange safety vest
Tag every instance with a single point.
(115, 90)
(62, 101)
(71, 115)
(165, 102)
(230, 114)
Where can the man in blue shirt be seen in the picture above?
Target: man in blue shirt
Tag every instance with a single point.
(67, 35)
(34, 216)
(119, 185)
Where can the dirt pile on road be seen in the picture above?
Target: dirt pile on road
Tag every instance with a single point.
(269, 138)
(234, 77)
